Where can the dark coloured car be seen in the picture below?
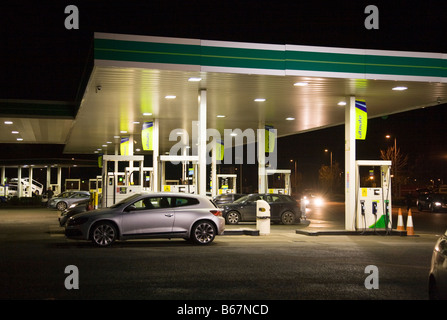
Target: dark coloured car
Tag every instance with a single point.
(227, 198)
(283, 208)
(74, 208)
(434, 202)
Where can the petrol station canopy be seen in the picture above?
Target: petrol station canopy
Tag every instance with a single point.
(293, 88)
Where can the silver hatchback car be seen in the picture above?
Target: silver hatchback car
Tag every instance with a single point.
(150, 215)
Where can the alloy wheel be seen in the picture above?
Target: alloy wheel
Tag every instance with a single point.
(287, 217)
(203, 232)
(104, 234)
(232, 217)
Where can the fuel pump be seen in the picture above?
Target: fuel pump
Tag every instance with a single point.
(120, 185)
(188, 181)
(278, 181)
(226, 183)
(373, 195)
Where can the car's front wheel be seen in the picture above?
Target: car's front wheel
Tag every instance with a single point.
(104, 234)
(203, 232)
(287, 217)
(61, 206)
(232, 217)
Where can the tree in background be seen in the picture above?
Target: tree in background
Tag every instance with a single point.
(398, 163)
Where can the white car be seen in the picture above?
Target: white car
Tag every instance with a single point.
(437, 280)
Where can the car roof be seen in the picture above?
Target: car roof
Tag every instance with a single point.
(172, 194)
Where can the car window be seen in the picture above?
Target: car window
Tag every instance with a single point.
(186, 201)
(241, 199)
(152, 203)
(255, 197)
(287, 199)
(65, 194)
(273, 199)
(79, 195)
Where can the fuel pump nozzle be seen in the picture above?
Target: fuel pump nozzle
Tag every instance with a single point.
(362, 211)
(374, 212)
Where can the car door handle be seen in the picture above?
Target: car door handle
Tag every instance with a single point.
(169, 215)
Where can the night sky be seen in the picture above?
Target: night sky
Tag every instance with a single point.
(42, 60)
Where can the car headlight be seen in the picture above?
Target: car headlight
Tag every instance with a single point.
(318, 201)
(76, 221)
(438, 204)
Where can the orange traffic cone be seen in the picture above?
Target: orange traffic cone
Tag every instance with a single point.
(410, 228)
(400, 221)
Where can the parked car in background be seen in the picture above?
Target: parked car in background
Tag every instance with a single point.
(434, 202)
(66, 198)
(150, 215)
(283, 208)
(437, 279)
(227, 198)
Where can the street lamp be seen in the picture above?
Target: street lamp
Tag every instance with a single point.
(395, 152)
(294, 174)
(394, 165)
(326, 150)
(332, 177)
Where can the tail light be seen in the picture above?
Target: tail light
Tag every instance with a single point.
(217, 213)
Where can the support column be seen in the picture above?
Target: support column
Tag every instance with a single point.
(19, 182)
(214, 169)
(202, 144)
(30, 181)
(155, 157)
(59, 179)
(262, 177)
(350, 174)
(48, 184)
(3, 176)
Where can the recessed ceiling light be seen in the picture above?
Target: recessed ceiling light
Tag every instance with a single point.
(136, 122)
(342, 103)
(116, 137)
(259, 99)
(8, 122)
(290, 118)
(109, 142)
(147, 114)
(170, 97)
(400, 88)
(221, 116)
(123, 131)
(19, 139)
(104, 145)
(301, 84)
(194, 79)
(14, 132)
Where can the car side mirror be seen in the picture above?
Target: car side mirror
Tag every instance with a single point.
(130, 208)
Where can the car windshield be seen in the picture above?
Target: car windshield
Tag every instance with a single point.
(65, 194)
(241, 199)
(128, 199)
